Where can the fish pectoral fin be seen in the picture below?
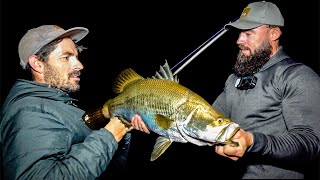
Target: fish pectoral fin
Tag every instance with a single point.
(163, 121)
(161, 145)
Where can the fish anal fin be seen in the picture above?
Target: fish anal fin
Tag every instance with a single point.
(161, 145)
(163, 121)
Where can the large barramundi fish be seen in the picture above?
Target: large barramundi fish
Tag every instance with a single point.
(169, 109)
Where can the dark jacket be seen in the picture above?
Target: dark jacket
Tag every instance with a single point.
(283, 113)
(43, 136)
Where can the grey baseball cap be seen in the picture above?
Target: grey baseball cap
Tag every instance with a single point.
(37, 38)
(257, 14)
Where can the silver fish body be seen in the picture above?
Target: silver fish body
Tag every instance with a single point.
(169, 109)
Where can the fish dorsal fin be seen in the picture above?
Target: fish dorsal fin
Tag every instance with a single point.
(161, 145)
(163, 122)
(124, 78)
(165, 73)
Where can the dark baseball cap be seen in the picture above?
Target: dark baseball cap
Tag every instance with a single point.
(37, 38)
(257, 14)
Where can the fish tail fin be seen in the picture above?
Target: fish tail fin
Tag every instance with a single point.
(125, 77)
(165, 73)
(95, 119)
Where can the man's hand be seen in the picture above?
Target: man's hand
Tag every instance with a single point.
(138, 124)
(245, 140)
(117, 128)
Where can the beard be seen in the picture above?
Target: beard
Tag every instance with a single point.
(55, 80)
(249, 65)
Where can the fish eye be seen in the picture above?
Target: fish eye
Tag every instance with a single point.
(220, 120)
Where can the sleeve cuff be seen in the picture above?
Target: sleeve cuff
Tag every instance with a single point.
(259, 142)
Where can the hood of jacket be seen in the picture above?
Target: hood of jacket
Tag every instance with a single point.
(23, 88)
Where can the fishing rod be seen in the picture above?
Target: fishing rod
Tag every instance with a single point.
(201, 48)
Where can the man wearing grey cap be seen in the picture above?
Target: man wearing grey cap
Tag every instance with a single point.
(43, 135)
(274, 99)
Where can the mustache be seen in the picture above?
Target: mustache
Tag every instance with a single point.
(75, 73)
(242, 47)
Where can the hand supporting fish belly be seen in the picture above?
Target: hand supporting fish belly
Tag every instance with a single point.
(138, 124)
(167, 108)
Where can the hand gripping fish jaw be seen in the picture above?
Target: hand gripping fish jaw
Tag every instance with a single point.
(228, 140)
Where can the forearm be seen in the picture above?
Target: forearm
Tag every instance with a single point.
(300, 143)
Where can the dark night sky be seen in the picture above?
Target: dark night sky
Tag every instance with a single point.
(142, 36)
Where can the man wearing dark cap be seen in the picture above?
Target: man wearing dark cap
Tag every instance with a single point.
(43, 135)
(274, 99)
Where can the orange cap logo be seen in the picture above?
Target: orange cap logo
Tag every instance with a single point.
(245, 12)
(56, 27)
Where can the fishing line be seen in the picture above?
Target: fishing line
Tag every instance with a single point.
(202, 47)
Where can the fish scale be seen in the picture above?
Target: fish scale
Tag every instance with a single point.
(171, 110)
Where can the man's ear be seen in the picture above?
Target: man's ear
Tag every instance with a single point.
(275, 33)
(36, 64)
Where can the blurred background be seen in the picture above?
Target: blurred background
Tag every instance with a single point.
(142, 35)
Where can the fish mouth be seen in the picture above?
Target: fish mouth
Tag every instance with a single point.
(211, 136)
(227, 133)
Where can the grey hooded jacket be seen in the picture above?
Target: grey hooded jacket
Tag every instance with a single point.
(283, 113)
